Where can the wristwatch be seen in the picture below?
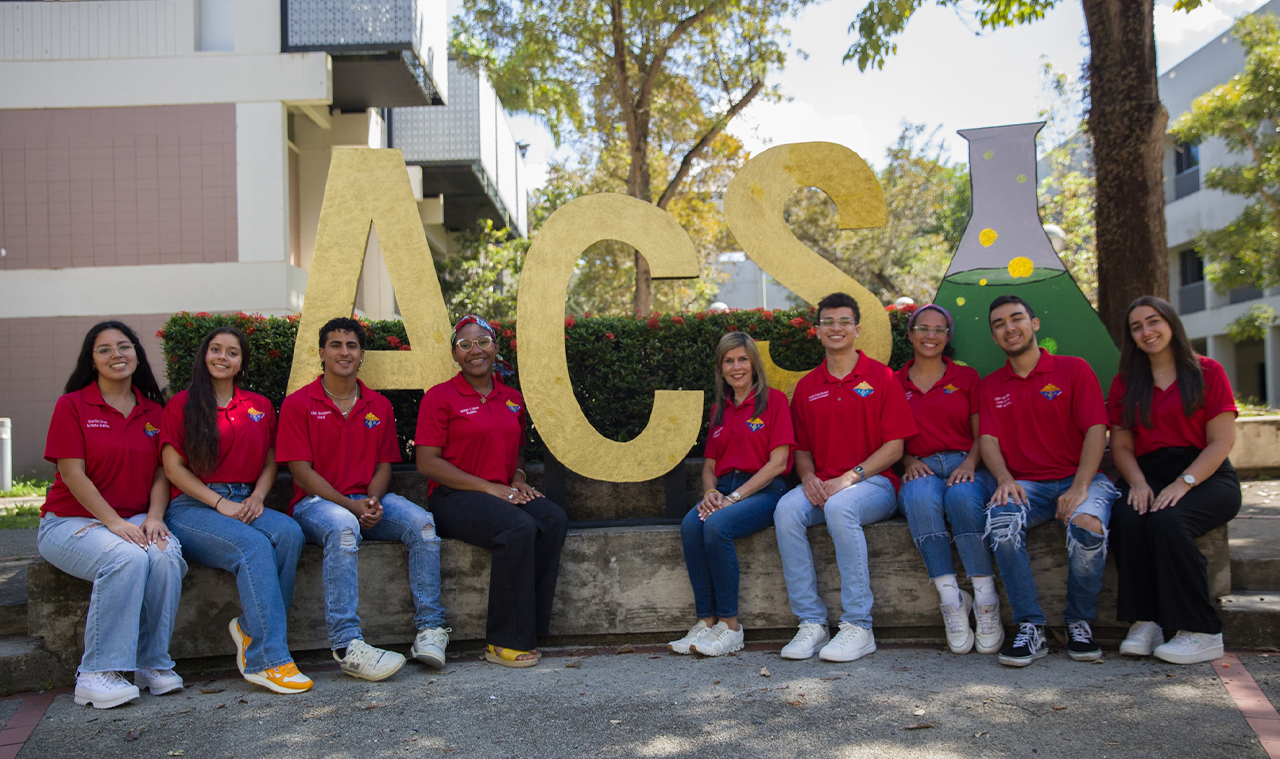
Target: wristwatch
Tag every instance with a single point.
(735, 496)
(1189, 478)
(862, 473)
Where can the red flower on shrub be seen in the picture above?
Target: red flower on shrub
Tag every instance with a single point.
(159, 334)
(767, 314)
(250, 330)
(608, 335)
(292, 318)
(495, 324)
(513, 345)
(701, 316)
(191, 324)
(273, 353)
(202, 314)
(508, 333)
(798, 322)
(733, 328)
(569, 321)
(586, 314)
(393, 341)
(652, 322)
(405, 347)
(677, 320)
(752, 327)
(813, 332)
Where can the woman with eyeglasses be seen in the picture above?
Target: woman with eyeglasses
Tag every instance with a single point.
(1173, 422)
(103, 518)
(944, 487)
(470, 435)
(749, 440)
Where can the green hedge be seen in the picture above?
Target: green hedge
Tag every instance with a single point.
(615, 362)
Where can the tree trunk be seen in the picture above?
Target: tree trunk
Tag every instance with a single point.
(1128, 125)
(639, 185)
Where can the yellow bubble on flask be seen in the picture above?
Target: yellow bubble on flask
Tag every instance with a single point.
(1021, 267)
(960, 301)
(987, 237)
(982, 281)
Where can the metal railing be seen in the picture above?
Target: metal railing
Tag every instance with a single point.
(1186, 183)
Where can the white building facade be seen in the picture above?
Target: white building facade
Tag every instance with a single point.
(168, 155)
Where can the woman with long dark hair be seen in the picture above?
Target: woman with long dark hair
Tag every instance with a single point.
(1172, 416)
(218, 443)
(748, 453)
(103, 518)
(470, 438)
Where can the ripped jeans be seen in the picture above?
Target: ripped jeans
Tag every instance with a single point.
(135, 592)
(1007, 526)
(338, 531)
(929, 505)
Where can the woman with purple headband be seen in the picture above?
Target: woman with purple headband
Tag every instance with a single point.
(943, 481)
(471, 430)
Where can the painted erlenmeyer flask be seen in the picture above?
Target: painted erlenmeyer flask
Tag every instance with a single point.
(1005, 250)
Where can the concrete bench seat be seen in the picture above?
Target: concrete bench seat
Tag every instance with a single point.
(614, 581)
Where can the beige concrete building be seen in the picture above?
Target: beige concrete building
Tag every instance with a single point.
(1254, 367)
(167, 155)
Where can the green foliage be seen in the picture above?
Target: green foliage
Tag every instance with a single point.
(1252, 324)
(615, 362)
(21, 517)
(26, 486)
(484, 277)
(1244, 112)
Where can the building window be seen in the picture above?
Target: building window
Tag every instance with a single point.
(1186, 169)
(1191, 275)
(1192, 266)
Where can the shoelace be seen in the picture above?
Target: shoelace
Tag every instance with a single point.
(987, 623)
(1026, 632)
(1080, 632)
(108, 680)
(955, 621)
(809, 632)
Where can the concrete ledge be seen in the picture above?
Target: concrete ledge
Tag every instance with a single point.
(613, 582)
(1256, 452)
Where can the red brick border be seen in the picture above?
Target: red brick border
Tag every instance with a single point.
(1250, 700)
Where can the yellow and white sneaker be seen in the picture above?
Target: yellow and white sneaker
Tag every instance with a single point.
(283, 679)
(242, 641)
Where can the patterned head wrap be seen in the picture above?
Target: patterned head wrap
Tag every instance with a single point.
(911, 322)
(500, 365)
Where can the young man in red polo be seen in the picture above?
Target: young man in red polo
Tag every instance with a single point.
(850, 417)
(339, 439)
(1043, 428)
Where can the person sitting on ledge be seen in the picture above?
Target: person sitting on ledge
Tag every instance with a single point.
(1172, 425)
(339, 439)
(216, 442)
(748, 453)
(470, 435)
(1042, 427)
(850, 417)
(103, 518)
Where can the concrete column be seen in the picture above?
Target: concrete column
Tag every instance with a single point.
(1223, 350)
(1272, 347)
(262, 181)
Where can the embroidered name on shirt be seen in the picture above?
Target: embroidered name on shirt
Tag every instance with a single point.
(716, 432)
(816, 396)
(1050, 391)
(949, 388)
(255, 414)
(469, 411)
(1004, 401)
(755, 424)
(320, 414)
(151, 430)
(101, 424)
(864, 389)
(371, 421)
(513, 407)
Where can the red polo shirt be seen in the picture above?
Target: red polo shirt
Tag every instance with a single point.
(1041, 419)
(344, 451)
(944, 412)
(120, 455)
(246, 429)
(1170, 427)
(743, 440)
(479, 435)
(843, 421)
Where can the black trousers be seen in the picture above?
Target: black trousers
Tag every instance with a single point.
(525, 540)
(1163, 576)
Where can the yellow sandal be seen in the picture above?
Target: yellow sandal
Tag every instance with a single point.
(507, 657)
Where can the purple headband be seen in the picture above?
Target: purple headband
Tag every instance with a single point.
(934, 306)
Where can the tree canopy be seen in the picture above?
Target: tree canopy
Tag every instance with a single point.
(1244, 113)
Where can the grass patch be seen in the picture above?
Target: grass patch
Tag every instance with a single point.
(25, 486)
(20, 517)
(1251, 407)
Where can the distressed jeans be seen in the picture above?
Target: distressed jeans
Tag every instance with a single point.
(263, 556)
(929, 505)
(135, 591)
(1007, 526)
(339, 532)
(844, 515)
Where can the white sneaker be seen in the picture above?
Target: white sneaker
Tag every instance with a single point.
(959, 633)
(990, 634)
(851, 643)
(1143, 638)
(158, 681)
(429, 646)
(369, 663)
(808, 640)
(719, 640)
(683, 645)
(1190, 648)
(103, 690)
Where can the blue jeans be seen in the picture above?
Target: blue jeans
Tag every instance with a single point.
(263, 556)
(1007, 526)
(929, 505)
(844, 514)
(339, 532)
(709, 553)
(135, 591)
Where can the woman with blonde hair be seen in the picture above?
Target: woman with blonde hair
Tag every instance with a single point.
(749, 441)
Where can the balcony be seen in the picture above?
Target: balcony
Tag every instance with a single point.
(1186, 183)
(1191, 298)
(386, 53)
(467, 154)
(1244, 293)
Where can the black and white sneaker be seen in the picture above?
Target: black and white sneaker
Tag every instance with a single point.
(1027, 646)
(1080, 645)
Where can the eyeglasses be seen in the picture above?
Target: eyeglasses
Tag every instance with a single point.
(845, 322)
(923, 331)
(102, 351)
(467, 344)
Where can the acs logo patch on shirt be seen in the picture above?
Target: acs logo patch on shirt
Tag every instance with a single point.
(371, 421)
(255, 414)
(864, 389)
(949, 388)
(151, 430)
(755, 424)
(513, 407)
(1050, 391)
